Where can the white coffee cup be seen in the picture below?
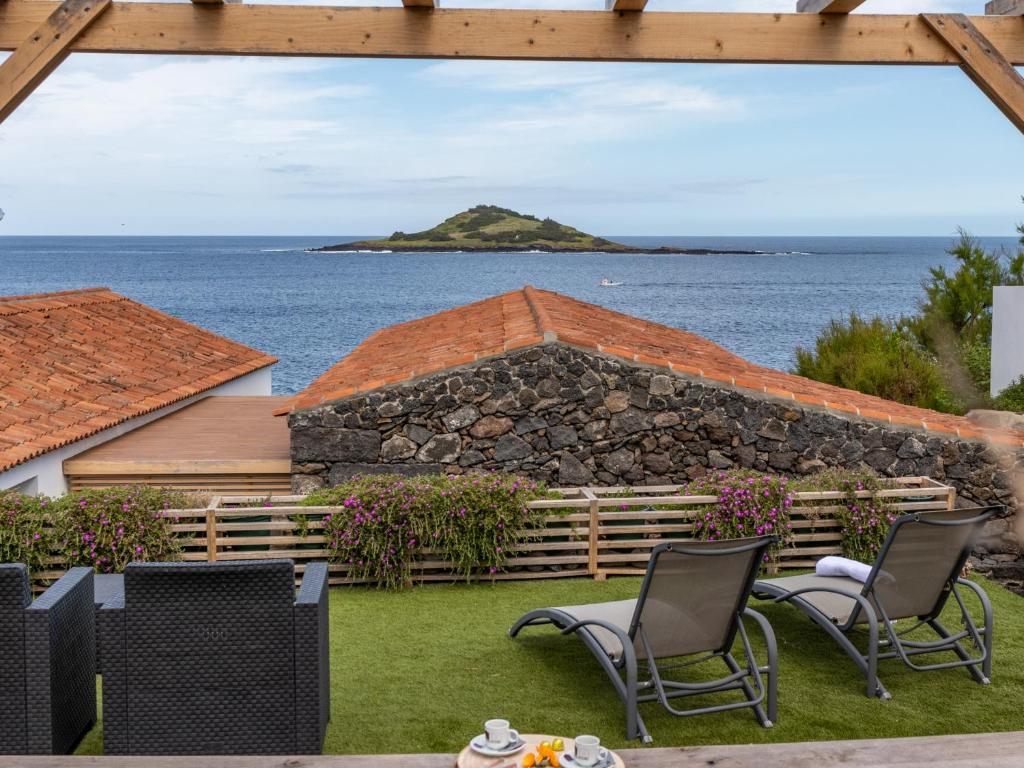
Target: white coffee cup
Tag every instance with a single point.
(498, 734)
(588, 750)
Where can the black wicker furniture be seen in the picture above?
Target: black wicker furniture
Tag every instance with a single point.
(47, 672)
(216, 658)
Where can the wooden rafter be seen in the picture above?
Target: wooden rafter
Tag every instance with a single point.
(421, 3)
(43, 49)
(625, 5)
(269, 30)
(983, 63)
(1004, 8)
(827, 6)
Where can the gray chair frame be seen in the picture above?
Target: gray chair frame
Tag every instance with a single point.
(216, 658)
(870, 610)
(47, 662)
(758, 683)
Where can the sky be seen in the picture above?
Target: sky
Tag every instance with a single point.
(149, 145)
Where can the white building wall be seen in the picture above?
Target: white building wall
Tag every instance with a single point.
(1007, 336)
(45, 474)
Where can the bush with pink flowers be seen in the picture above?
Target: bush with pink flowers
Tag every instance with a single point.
(26, 535)
(749, 504)
(383, 523)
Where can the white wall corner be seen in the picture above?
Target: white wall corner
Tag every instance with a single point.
(1007, 336)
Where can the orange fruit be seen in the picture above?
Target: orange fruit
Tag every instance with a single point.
(529, 760)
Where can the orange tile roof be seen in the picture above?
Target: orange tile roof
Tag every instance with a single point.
(75, 363)
(530, 316)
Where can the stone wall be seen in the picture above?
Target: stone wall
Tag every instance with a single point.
(571, 417)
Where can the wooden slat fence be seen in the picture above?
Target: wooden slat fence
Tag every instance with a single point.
(593, 532)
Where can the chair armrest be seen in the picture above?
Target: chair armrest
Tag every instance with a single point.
(60, 660)
(312, 660)
(114, 666)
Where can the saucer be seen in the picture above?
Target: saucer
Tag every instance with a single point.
(479, 745)
(604, 762)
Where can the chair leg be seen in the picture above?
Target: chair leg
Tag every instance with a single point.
(978, 674)
(771, 672)
(762, 717)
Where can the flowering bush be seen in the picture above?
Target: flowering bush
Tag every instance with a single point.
(109, 528)
(865, 521)
(383, 521)
(104, 529)
(26, 535)
(749, 504)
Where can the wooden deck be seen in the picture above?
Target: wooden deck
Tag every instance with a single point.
(221, 444)
(992, 750)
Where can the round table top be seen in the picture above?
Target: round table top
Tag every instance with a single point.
(470, 759)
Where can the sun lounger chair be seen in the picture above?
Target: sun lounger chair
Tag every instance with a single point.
(916, 572)
(47, 662)
(692, 601)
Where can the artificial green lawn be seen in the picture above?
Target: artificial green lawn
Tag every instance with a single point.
(420, 670)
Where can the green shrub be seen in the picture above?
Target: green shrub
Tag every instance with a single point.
(1011, 398)
(383, 521)
(104, 529)
(864, 522)
(749, 504)
(26, 535)
(107, 529)
(976, 357)
(876, 357)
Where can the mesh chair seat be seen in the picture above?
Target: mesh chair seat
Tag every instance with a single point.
(618, 612)
(837, 608)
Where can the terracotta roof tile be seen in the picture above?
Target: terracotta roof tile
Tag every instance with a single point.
(530, 316)
(77, 362)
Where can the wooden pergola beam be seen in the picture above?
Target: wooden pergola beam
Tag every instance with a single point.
(827, 6)
(1004, 8)
(421, 3)
(296, 30)
(983, 63)
(625, 5)
(43, 49)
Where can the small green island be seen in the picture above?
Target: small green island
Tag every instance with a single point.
(488, 228)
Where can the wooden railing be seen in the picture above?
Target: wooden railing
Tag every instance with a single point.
(590, 532)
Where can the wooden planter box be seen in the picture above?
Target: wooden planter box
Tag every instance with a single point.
(591, 531)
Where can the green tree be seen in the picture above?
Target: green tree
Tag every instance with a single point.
(876, 357)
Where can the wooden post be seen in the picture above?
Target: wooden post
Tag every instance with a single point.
(44, 50)
(211, 529)
(592, 525)
(1004, 8)
(982, 62)
(951, 498)
(826, 6)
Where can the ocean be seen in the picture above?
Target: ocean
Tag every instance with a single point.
(310, 309)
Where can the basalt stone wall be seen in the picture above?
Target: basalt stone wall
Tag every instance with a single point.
(570, 417)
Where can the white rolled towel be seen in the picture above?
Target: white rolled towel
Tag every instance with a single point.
(842, 566)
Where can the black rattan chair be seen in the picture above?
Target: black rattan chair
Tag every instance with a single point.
(47, 663)
(216, 658)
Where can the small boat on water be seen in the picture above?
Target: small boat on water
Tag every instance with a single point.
(606, 283)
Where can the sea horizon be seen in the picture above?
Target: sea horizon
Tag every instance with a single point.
(311, 308)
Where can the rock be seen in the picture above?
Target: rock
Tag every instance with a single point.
(418, 434)
(572, 472)
(562, 437)
(617, 401)
(719, 460)
(303, 484)
(596, 429)
(669, 419)
(619, 462)
(810, 466)
(471, 458)
(590, 379)
(491, 426)
(440, 449)
(662, 385)
(782, 460)
(527, 398)
(880, 459)
(509, 447)
(460, 419)
(548, 387)
(773, 430)
(529, 424)
(630, 421)
(326, 444)
(389, 409)
(397, 448)
(911, 448)
(659, 463)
